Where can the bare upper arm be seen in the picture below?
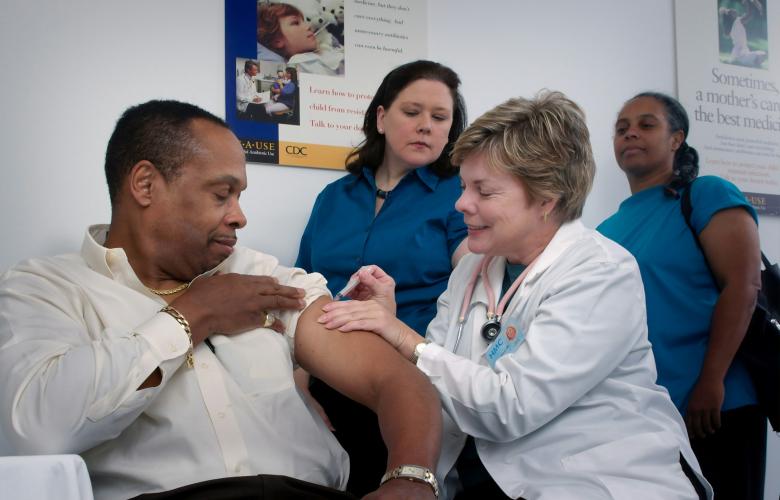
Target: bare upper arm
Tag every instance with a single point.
(731, 244)
(354, 363)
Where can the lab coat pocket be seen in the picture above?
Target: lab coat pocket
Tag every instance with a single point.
(642, 466)
(259, 361)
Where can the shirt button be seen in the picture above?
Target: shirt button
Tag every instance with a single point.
(221, 414)
(172, 347)
(204, 365)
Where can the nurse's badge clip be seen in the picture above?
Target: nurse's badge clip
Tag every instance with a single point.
(507, 342)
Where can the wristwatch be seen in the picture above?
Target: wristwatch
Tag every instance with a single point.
(413, 473)
(418, 350)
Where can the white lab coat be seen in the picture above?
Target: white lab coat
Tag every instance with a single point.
(575, 411)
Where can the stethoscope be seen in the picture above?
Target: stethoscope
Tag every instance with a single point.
(492, 326)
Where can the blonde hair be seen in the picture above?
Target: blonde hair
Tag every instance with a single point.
(543, 141)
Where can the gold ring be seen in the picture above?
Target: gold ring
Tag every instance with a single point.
(270, 319)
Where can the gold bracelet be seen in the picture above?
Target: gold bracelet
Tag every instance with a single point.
(184, 324)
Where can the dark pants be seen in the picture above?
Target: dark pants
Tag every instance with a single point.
(255, 112)
(357, 429)
(262, 487)
(734, 458)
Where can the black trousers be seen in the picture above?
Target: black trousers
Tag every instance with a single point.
(734, 458)
(255, 112)
(262, 487)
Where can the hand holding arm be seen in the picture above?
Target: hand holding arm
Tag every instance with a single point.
(230, 303)
(234, 303)
(369, 316)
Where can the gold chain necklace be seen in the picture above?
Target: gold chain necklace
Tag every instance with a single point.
(177, 289)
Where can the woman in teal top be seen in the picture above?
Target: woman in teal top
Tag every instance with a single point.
(396, 209)
(696, 317)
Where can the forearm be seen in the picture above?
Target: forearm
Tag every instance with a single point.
(730, 320)
(409, 415)
(409, 340)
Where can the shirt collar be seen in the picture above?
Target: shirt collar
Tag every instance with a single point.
(113, 264)
(427, 176)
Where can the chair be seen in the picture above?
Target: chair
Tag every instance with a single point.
(63, 477)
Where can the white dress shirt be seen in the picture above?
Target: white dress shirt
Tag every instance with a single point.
(79, 333)
(574, 413)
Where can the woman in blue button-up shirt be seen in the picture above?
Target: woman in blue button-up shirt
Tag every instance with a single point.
(396, 208)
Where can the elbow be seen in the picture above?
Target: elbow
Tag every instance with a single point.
(500, 429)
(27, 428)
(745, 294)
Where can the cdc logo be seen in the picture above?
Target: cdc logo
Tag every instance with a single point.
(293, 150)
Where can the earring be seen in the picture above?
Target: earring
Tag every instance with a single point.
(544, 218)
(380, 130)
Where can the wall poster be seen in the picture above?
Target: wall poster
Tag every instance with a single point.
(299, 74)
(728, 79)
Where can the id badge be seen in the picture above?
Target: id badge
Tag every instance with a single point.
(507, 342)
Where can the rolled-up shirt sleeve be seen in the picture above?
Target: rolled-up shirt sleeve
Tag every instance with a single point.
(314, 286)
(67, 385)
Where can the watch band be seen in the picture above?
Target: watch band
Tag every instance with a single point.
(418, 349)
(413, 473)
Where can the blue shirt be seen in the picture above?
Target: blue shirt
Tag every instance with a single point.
(679, 289)
(412, 237)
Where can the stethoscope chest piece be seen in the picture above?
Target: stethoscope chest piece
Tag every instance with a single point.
(491, 329)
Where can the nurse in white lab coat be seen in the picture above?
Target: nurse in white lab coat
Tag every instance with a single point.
(562, 404)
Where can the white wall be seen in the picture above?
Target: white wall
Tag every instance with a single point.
(70, 68)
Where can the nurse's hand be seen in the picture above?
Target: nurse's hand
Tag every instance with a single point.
(375, 284)
(368, 315)
(702, 416)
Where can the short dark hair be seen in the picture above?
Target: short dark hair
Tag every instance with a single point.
(686, 158)
(156, 131)
(249, 63)
(371, 151)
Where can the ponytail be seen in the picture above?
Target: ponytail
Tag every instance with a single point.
(686, 166)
